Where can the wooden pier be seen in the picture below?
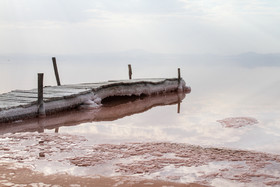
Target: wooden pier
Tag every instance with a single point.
(110, 111)
(21, 104)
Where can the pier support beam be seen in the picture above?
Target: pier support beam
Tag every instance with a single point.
(129, 71)
(180, 87)
(56, 71)
(179, 75)
(178, 107)
(57, 80)
(40, 104)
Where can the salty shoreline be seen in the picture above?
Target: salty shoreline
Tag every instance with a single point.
(178, 163)
(26, 177)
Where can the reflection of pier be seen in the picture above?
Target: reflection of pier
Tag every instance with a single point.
(108, 112)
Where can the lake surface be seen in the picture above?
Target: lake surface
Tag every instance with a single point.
(219, 91)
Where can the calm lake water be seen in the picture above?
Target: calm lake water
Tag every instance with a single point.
(219, 91)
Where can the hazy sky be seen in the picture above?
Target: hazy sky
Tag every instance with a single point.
(164, 26)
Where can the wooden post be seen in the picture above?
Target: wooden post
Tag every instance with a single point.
(179, 75)
(180, 88)
(57, 81)
(129, 71)
(178, 106)
(56, 71)
(41, 107)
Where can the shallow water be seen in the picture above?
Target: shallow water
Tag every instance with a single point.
(219, 92)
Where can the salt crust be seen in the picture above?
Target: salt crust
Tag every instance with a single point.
(237, 122)
(154, 160)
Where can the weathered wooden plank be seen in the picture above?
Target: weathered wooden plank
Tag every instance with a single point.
(76, 88)
(20, 94)
(13, 98)
(15, 104)
(56, 89)
(23, 91)
(33, 96)
(26, 98)
(50, 93)
(19, 100)
(82, 86)
(63, 92)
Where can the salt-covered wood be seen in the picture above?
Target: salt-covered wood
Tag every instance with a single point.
(20, 104)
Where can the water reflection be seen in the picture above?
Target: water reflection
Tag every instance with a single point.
(219, 90)
(219, 93)
(112, 109)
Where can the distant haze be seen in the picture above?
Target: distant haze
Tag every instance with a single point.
(246, 60)
(60, 27)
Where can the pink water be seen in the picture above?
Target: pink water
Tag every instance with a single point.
(229, 108)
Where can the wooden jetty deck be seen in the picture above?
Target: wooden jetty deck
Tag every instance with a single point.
(21, 104)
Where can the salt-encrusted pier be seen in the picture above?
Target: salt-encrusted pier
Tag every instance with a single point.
(21, 104)
(112, 109)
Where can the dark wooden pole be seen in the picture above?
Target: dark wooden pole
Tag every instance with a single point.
(56, 71)
(179, 75)
(178, 106)
(41, 107)
(57, 81)
(129, 71)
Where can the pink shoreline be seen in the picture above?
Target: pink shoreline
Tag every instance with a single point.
(237, 122)
(175, 162)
